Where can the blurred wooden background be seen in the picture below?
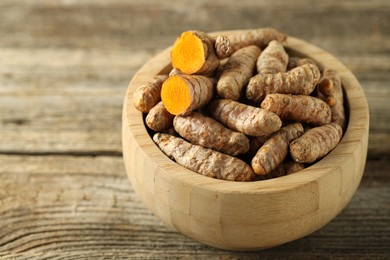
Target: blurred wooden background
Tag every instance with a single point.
(64, 69)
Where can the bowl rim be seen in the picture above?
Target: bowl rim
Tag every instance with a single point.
(353, 138)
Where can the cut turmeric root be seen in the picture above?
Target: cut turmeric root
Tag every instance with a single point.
(196, 52)
(202, 160)
(182, 94)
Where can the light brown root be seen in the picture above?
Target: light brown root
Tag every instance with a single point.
(275, 149)
(299, 81)
(301, 108)
(205, 131)
(242, 118)
(236, 72)
(148, 95)
(158, 118)
(315, 143)
(202, 160)
(260, 37)
(273, 59)
(330, 87)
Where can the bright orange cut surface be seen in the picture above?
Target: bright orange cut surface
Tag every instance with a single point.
(175, 95)
(187, 53)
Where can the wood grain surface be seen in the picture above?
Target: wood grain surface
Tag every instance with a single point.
(64, 69)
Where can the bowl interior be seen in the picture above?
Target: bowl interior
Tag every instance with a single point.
(295, 47)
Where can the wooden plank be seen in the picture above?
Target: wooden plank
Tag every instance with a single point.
(87, 24)
(78, 207)
(52, 107)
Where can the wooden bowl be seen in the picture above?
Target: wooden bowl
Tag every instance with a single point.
(247, 215)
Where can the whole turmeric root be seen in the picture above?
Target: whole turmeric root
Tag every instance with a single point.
(148, 95)
(205, 131)
(202, 160)
(195, 52)
(299, 81)
(159, 119)
(237, 71)
(301, 108)
(275, 149)
(273, 59)
(260, 37)
(330, 88)
(182, 94)
(246, 119)
(315, 143)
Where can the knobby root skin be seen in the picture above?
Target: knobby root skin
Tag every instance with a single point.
(273, 59)
(202, 160)
(272, 153)
(196, 52)
(148, 95)
(207, 132)
(294, 62)
(331, 89)
(299, 81)
(315, 143)
(242, 118)
(159, 119)
(222, 46)
(182, 94)
(237, 71)
(326, 85)
(260, 37)
(301, 108)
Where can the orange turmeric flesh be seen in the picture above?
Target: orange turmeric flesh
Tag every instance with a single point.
(188, 48)
(175, 95)
(182, 94)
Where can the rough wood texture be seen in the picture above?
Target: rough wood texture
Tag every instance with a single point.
(64, 70)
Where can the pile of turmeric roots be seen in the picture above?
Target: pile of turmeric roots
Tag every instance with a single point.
(239, 108)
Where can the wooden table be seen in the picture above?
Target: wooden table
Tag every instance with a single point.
(64, 69)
